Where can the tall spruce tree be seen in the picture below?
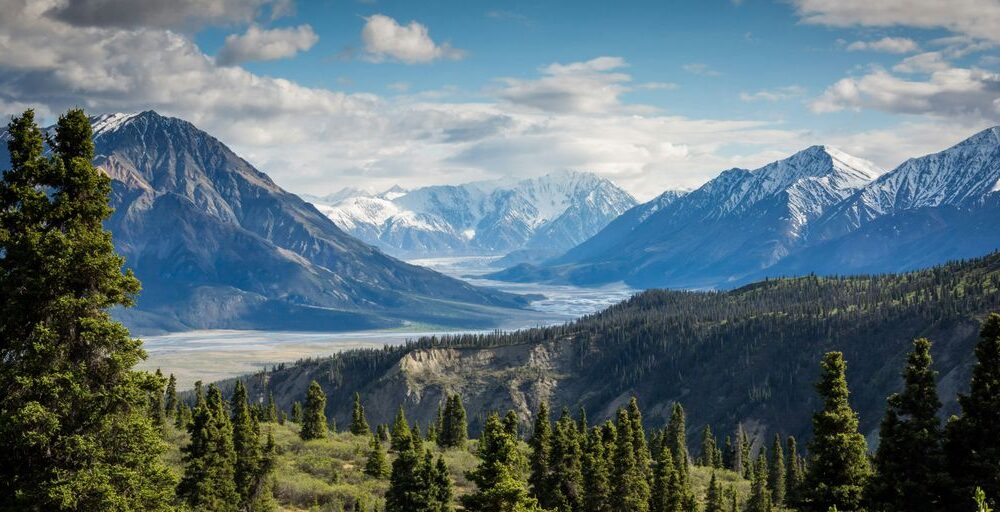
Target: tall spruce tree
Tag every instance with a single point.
(498, 486)
(250, 467)
(454, 427)
(910, 473)
(209, 482)
(566, 476)
(444, 489)
(715, 500)
(708, 448)
(972, 448)
(408, 485)
(778, 474)
(538, 462)
(838, 456)
(297, 412)
(760, 493)
(359, 424)
(75, 432)
(158, 407)
(401, 436)
(596, 486)
(795, 471)
(630, 487)
(377, 464)
(171, 396)
(676, 439)
(512, 423)
(314, 416)
(270, 409)
(665, 495)
(643, 458)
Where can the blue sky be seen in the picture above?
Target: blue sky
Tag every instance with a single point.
(653, 94)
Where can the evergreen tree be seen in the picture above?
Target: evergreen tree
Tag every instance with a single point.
(838, 456)
(708, 448)
(630, 487)
(665, 495)
(596, 490)
(250, 468)
(270, 409)
(209, 482)
(454, 428)
(314, 416)
(728, 455)
(382, 431)
(582, 427)
(746, 462)
(566, 477)
(512, 424)
(74, 422)
(973, 450)
(643, 458)
(776, 479)
(538, 463)
(909, 463)
(377, 465)
(171, 399)
(401, 435)
(359, 424)
(676, 439)
(760, 494)
(297, 412)
(714, 496)
(440, 489)
(408, 485)
(158, 407)
(740, 452)
(498, 488)
(796, 473)
(183, 419)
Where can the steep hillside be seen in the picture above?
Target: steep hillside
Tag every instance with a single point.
(748, 355)
(217, 244)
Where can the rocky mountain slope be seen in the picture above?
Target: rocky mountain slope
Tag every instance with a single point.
(536, 218)
(217, 244)
(748, 355)
(732, 227)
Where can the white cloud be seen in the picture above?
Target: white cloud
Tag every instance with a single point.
(698, 68)
(975, 18)
(266, 44)
(592, 86)
(399, 86)
(886, 44)
(160, 13)
(778, 94)
(947, 92)
(926, 62)
(384, 38)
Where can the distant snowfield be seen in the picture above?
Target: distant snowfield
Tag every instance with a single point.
(212, 355)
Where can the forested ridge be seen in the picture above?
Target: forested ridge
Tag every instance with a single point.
(746, 355)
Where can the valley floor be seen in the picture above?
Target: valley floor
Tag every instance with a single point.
(214, 355)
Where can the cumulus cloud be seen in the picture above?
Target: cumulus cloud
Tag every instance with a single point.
(975, 18)
(778, 94)
(266, 44)
(160, 13)
(385, 39)
(886, 44)
(592, 86)
(947, 92)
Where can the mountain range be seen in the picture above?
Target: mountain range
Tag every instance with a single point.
(818, 211)
(217, 244)
(526, 220)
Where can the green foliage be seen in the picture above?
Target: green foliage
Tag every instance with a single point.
(377, 465)
(314, 416)
(566, 476)
(838, 456)
(402, 438)
(74, 421)
(171, 397)
(776, 477)
(715, 496)
(359, 424)
(498, 484)
(760, 497)
(541, 448)
(209, 482)
(973, 450)
(454, 426)
(981, 503)
(910, 473)
(596, 484)
(630, 487)
(297, 412)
